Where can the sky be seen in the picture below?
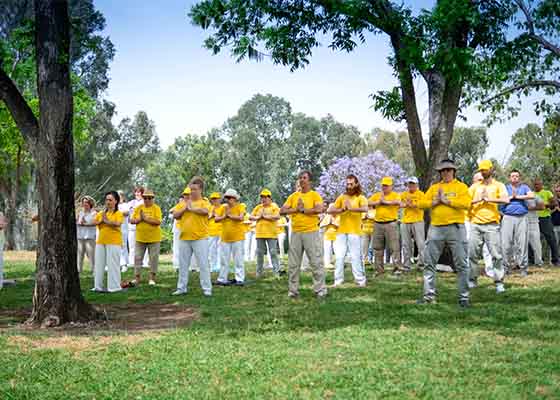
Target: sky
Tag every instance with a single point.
(161, 67)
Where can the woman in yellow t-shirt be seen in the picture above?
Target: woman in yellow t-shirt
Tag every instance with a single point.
(108, 245)
(329, 225)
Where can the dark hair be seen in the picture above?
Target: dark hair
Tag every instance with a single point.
(115, 196)
(358, 189)
(139, 189)
(308, 173)
(197, 180)
(515, 170)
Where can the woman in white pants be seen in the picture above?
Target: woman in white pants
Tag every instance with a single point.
(108, 246)
(124, 209)
(3, 225)
(85, 228)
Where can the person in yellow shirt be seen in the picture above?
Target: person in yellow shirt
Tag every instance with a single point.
(412, 224)
(192, 214)
(485, 224)
(448, 199)
(147, 218)
(108, 245)
(385, 230)
(282, 224)
(329, 225)
(214, 232)
(368, 220)
(230, 216)
(349, 207)
(304, 207)
(266, 216)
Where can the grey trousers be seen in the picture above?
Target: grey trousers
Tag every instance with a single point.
(514, 241)
(411, 233)
(140, 251)
(534, 240)
(262, 244)
(86, 247)
(489, 235)
(310, 243)
(455, 236)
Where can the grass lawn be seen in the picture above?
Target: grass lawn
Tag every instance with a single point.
(255, 342)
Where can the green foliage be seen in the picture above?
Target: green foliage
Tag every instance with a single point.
(394, 145)
(467, 148)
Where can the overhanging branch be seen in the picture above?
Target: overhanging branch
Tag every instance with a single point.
(525, 85)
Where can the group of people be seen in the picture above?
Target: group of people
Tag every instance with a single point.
(491, 221)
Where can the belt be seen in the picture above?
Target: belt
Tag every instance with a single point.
(385, 222)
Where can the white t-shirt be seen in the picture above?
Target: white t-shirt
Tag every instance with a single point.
(86, 232)
(132, 204)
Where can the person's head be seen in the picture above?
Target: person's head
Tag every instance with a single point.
(353, 187)
(557, 189)
(304, 179)
(266, 197)
(231, 197)
(515, 177)
(87, 203)
(477, 177)
(447, 170)
(138, 192)
(197, 187)
(122, 196)
(112, 201)
(215, 198)
(412, 184)
(485, 167)
(148, 197)
(537, 184)
(386, 185)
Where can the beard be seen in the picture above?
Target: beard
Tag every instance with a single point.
(353, 191)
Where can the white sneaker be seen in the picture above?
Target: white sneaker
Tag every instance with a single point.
(472, 284)
(500, 288)
(178, 293)
(124, 268)
(151, 282)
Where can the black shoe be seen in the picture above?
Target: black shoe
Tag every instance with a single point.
(464, 304)
(282, 273)
(238, 283)
(220, 283)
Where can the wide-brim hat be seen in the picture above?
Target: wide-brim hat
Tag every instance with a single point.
(231, 193)
(148, 193)
(445, 164)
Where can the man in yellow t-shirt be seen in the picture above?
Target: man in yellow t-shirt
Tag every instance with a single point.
(192, 214)
(385, 229)
(485, 220)
(329, 225)
(368, 221)
(412, 224)
(349, 207)
(147, 218)
(304, 207)
(266, 216)
(214, 232)
(449, 200)
(230, 216)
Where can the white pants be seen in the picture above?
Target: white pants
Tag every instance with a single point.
(351, 242)
(328, 251)
(124, 249)
(281, 240)
(176, 240)
(367, 243)
(132, 247)
(232, 250)
(214, 253)
(200, 250)
(250, 246)
(1, 264)
(107, 255)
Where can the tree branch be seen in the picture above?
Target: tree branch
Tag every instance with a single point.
(20, 110)
(524, 85)
(531, 26)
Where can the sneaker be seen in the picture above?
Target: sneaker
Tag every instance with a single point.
(524, 273)
(221, 283)
(424, 300)
(337, 284)
(207, 294)
(379, 272)
(472, 284)
(464, 303)
(282, 273)
(151, 282)
(292, 295)
(124, 268)
(500, 288)
(238, 283)
(179, 293)
(361, 284)
(396, 272)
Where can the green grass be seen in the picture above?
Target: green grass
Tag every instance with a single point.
(254, 342)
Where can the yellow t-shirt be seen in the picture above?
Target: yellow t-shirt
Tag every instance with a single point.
(350, 221)
(367, 223)
(485, 212)
(458, 195)
(266, 229)
(304, 223)
(385, 213)
(193, 226)
(281, 225)
(214, 228)
(410, 214)
(108, 234)
(232, 231)
(330, 223)
(146, 233)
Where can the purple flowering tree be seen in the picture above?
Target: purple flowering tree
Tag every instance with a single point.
(369, 170)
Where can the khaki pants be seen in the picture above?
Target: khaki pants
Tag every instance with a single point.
(310, 243)
(153, 252)
(86, 247)
(386, 235)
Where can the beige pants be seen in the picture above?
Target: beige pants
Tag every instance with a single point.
(310, 243)
(153, 252)
(386, 235)
(86, 247)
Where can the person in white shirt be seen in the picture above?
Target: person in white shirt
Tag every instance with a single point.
(86, 232)
(124, 209)
(132, 204)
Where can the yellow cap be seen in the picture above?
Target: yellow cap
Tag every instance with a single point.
(485, 165)
(148, 193)
(187, 190)
(215, 195)
(387, 180)
(266, 192)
